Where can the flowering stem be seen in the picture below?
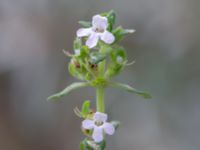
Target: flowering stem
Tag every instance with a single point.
(100, 90)
(100, 99)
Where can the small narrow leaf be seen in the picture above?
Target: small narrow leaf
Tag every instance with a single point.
(130, 89)
(68, 89)
(85, 24)
(85, 109)
(120, 33)
(97, 57)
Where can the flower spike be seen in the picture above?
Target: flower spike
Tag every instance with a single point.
(96, 69)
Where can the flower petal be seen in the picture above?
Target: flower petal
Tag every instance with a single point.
(97, 134)
(107, 37)
(99, 22)
(92, 40)
(83, 32)
(88, 124)
(109, 128)
(98, 116)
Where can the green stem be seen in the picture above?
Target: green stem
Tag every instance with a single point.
(100, 99)
(100, 91)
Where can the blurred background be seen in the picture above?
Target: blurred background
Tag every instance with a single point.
(166, 48)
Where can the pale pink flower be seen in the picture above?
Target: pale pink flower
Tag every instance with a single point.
(99, 125)
(96, 32)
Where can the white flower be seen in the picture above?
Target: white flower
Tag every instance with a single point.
(99, 126)
(96, 32)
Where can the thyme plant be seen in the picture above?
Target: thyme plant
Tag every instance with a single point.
(98, 56)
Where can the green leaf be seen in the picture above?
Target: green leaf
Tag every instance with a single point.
(111, 19)
(117, 62)
(85, 109)
(82, 146)
(85, 24)
(74, 71)
(88, 76)
(118, 52)
(130, 89)
(97, 57)
(119, 33)
(77, 44)
(68, 89)
(84, 52)
(111, 15)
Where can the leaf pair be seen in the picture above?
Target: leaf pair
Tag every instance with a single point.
(86, 105)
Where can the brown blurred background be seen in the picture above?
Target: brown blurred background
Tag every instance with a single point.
(166, 48)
